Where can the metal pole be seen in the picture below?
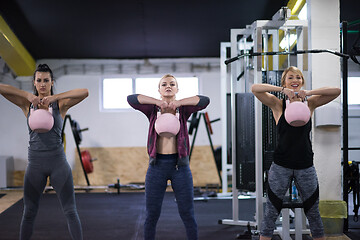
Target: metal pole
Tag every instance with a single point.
(224, 126)
(345, 120)
(211, 144)
(193, 141)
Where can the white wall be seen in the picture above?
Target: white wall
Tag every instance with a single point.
(106, 129)
(324, 34)
(13, 133)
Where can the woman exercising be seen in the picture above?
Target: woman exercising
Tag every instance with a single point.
(46, 153)
(293, 157)
(169, 156)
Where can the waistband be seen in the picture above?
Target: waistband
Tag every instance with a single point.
(58, 152)
(167, 156)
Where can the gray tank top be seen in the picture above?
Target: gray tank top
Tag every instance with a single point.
(50, 140)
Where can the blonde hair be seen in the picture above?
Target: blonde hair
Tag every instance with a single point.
(166, 76)
(291, 69)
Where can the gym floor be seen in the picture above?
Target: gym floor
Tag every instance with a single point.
(207, 218)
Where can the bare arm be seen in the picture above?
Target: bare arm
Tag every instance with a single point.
(322, 96)
(67, 99)
(261, 92)
(18, 97)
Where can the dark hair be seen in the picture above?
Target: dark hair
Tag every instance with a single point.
(43, 68)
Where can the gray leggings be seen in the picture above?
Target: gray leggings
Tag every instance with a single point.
(53, 164)
(279, 179)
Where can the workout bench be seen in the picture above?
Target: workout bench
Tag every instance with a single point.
(300, 220)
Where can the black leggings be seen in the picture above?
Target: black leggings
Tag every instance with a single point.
(53, 164)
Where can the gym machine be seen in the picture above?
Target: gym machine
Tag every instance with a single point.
(260, 33)
(84, 156)
(194, 124)
(260, 61)
(350, 171)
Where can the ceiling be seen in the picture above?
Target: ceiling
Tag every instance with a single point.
(137, 29)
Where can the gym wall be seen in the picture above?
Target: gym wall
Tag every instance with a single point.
(106, 129)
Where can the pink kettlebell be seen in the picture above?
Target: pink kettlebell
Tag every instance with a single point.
(297, 113)
(167, 124)
(41, 120)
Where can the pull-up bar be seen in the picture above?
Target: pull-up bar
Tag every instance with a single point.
(286, 53)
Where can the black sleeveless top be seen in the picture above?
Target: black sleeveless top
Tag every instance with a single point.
(294, 149)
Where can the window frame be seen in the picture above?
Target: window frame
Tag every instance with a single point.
(114, 110)
(355, 105)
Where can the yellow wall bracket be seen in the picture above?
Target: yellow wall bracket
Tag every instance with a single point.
(14, 53)
(296, 6)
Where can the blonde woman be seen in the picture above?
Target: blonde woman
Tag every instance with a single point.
(293, 157)
(169, 156)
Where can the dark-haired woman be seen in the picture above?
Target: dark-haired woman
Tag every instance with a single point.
(46, 154)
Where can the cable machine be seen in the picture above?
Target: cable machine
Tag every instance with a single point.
(255, 58)
(247, 45)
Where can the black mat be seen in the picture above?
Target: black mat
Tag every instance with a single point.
(1, 195)
(113, 216)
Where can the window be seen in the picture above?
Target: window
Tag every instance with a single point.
(147, 86)
(188, 86)
(116, 90)
(353, 90)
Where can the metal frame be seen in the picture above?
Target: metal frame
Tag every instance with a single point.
(256, 30)
(224, 85)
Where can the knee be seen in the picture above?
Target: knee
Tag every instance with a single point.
(153, 214)
(29, 214)
(186, 213)
(71, 214)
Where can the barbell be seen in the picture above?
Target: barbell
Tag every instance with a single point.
(286, 53)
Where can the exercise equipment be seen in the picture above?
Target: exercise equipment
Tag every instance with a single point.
(254, 54)
(249, 234)
(297, 113)
(41, 120)
(86, 163)
(353, 177)
(77, 131)
(194, 123)
(118, 186)
(257, 47)
(300, 223)
(348, 183)
(167, 124)
(208, 122)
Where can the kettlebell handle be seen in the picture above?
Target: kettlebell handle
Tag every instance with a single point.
(32, 108)
(176, 113)
(296, 93)
(159, 114)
